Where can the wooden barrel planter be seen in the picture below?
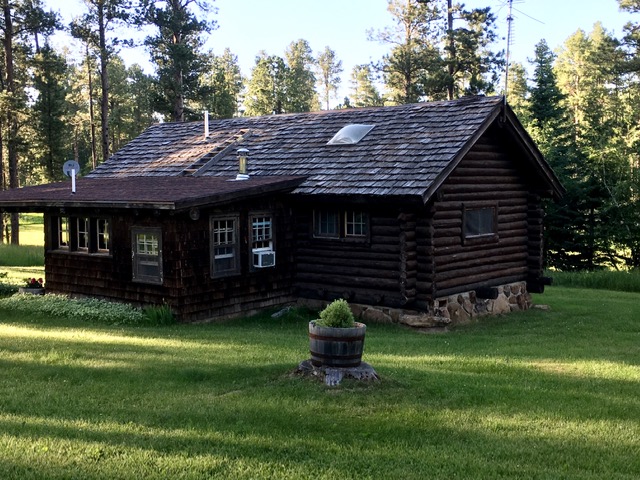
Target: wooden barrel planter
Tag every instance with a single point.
(31, 291)
(336, 347)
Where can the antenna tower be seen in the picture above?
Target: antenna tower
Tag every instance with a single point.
(506, 70)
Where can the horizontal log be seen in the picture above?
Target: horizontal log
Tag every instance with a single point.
(456, 205)
(504, 227)
(348, 281)
(485, 254)
(445, 244)
(478, 156)
(346, 271)
(335, 261)
(488, 196)
(481, 263)
(480, 270)
(490, 184)
(484, 277)
(465, 171)
(386, 231)
(357, 295)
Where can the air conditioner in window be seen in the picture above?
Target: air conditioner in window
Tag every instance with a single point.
(264, 258)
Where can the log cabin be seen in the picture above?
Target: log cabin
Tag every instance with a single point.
(429, 208)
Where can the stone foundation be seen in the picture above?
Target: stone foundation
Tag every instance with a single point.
(444, 312)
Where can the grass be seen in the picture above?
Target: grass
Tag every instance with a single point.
(622, 281)
(30, 252)
(532, 395)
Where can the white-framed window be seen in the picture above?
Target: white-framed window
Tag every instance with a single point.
(147, 255)
(82, 233)
(262, 252)
(356, 224)
(261, 233)
(224, 246)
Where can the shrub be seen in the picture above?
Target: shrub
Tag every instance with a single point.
(159, 315)
(337, 314)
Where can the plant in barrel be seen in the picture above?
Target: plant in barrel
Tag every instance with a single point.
(336, 339)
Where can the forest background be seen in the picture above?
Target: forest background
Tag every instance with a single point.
(580, 103)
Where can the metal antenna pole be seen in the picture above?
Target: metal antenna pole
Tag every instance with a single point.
(506, 71)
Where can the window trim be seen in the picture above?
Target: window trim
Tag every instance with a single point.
(61, 232)
(98, 233)
(271, 239)
(236, 246)
(344, 216)
(136, 256)
(317, 223)
(482, 237)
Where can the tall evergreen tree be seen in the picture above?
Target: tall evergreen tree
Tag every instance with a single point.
(224, 85)
(50, 112)
(413, 38)
(102, 17)
(570, 241)
(176, 51)
(329, 70)
(282, 85)
(20, 20)
(267, 86)
(300, 80)
(363, 90)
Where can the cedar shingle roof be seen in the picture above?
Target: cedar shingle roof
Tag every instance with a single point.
(407, 151)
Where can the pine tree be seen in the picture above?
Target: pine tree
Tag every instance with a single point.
(49, 112)
(266, 89)
(176, 51)
(329, 70)
(300, 80)
(363, 91)
(224, 85)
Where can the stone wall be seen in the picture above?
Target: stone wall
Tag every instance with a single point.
(446, 311)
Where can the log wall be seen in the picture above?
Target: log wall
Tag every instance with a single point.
(491, 174)
(379, 271)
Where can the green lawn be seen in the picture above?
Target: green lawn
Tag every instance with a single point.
(541, 395)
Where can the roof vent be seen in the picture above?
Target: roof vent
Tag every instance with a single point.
(350, 134)
(243, 153)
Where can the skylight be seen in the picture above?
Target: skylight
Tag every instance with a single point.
(350, 134)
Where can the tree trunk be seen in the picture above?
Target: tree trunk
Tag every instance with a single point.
(104, 78)
(92, 117)
(12, 126)
(452, 50)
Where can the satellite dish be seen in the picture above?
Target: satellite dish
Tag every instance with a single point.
(70, 165)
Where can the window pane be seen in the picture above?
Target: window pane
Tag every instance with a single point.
(63, 232)
(356, 224)
(147, 255)
(479, 222)
(147, 244)
(326, 223)
(224, 239)
(103, 234)
(83, 233)
(261, 233)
